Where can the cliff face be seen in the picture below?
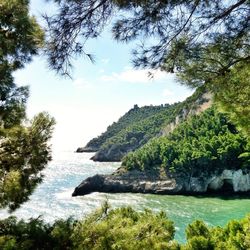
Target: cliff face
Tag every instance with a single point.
(202, 103)
(139, 125)
(114, 153)
(229, 181)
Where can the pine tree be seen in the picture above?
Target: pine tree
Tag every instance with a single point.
(23, 149)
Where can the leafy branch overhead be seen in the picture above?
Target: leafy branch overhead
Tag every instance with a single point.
(180, 31)
(203, 42)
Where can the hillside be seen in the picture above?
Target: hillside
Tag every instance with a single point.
(131, 118)
(205, 143)
(140, 124)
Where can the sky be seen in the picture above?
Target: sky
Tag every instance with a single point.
(98, 94)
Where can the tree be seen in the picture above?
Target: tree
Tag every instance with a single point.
(24, 153)
(235, 235)
(232, 93)
(199, 40)
(178, 28)
(20, 39)
(20, 34)
(23, 149)
(124, 228)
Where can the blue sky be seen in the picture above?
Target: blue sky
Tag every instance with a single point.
(98, 94)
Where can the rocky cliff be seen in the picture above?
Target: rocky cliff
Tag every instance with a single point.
(202, 103)
(228, 181)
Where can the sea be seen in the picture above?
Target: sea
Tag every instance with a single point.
(52, 199)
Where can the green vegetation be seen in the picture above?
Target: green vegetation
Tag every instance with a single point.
(204, 143)
(139, 125)
(121, 228)
(132, 119)
(235, 235)
(23, 149)
(232, 94)
(24, 153)
(132, 131)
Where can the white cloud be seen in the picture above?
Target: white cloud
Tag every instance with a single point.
(101, 71)
(167, 93)
(136, 76)
(81, 83)
(105, 60)
(175, 96)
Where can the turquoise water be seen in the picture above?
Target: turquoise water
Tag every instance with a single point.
(52, 199)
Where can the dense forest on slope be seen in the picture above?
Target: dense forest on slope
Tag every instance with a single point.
(139, 125)
(121, 228)
(202, 144)
(133, 116)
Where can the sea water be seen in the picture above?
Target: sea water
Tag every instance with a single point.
(52, 199)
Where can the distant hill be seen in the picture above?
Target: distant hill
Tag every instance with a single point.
(140, 124)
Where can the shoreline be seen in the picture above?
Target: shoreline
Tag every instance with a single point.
(225, 183)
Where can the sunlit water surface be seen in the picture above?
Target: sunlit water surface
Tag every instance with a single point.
(52, 199)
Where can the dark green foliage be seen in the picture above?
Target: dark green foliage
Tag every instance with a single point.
(35, 234)
(138, 132)
(197, 228)
(203, 144)
(20, 39)
(24, 153)
(132, 118)
(61, 233)
(20, 35)
(125, 228)
(121, 228)
(232, 92)
(181, 31)
(235, 235)
(12, 104)
(22, 235)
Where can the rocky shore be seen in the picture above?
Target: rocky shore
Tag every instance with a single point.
(86, 150)
(122, 181)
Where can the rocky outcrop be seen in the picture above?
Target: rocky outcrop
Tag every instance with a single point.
(86, 150)
(229, 181)
(237, 180)
(107, 156)
(200, 105)
(127, 181)
(113, 153)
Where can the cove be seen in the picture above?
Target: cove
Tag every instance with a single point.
(52, 199)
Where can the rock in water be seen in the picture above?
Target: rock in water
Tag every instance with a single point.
(122, 181)
(86, 150)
